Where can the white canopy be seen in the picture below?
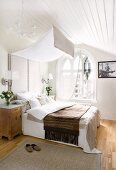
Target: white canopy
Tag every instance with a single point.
(49, 48)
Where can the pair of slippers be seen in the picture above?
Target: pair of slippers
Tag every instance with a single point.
(32, 147)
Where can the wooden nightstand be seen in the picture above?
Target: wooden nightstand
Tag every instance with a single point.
(10, 121)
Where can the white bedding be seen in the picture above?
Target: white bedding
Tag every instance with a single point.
(36, 129)
(44, 110)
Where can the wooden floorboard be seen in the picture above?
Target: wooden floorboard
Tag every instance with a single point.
(106, 142)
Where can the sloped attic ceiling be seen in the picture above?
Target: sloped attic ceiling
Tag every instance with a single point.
(92, 22)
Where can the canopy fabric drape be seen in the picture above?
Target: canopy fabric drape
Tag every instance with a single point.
(62, 42)
(51, 47)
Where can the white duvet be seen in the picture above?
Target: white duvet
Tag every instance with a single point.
(44, 110)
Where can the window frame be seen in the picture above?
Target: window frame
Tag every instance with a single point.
(80, 53)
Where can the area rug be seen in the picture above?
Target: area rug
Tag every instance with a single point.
(51, 157)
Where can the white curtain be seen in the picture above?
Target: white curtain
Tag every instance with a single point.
(65, 82)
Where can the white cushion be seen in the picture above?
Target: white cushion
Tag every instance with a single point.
(24, 96)
(45, 99)
(27, 95)
(50, 99)
(42, 100)
(18, 102)
(34, 103)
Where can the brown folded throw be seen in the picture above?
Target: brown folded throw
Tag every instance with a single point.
(63, 125)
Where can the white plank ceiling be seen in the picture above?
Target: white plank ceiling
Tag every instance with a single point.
(92, 22)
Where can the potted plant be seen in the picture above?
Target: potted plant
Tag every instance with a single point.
(48, 89)
(7, 95)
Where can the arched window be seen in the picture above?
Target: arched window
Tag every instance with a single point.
(77, 77)
(83, 81)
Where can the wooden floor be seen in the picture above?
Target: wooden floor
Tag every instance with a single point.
(106, 142)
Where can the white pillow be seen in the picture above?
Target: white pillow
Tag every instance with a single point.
(45, 99)
(18, 102)
(50, 99)
(24, 96)
(42, 100)
(34, 103)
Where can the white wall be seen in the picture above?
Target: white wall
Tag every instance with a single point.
(37, 70)
(3, 67)
(105, 87)
(19, 66)
(29, 74)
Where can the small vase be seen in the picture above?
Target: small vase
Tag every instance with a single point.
(7, 102)
(48, 93)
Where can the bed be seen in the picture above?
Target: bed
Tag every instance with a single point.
(88, 124)
(34, 125)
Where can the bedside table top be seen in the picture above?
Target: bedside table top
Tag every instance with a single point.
(10, 106)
